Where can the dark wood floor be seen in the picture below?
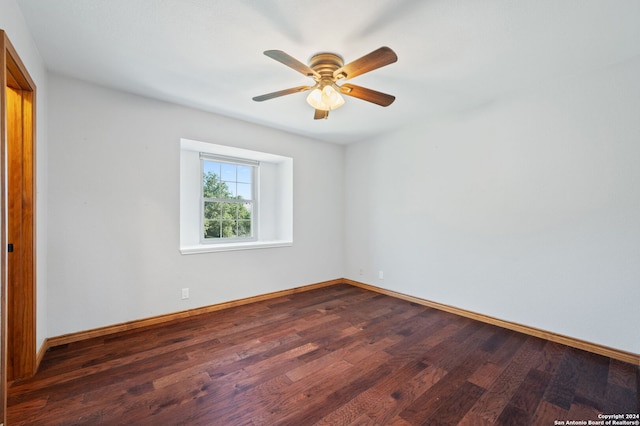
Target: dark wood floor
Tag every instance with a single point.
(335, 356)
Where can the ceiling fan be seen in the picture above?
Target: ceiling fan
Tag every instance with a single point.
(329, 68)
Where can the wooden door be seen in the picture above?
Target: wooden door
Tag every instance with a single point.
(18, 323)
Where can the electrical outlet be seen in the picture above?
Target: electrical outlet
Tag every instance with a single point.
(361, 271)
(381, 275)
(185, 293)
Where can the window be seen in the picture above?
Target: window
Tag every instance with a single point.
(228, 198)
(233, 198)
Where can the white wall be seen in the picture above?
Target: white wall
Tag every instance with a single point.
(114, 210)
(12, 22)
(527, 209)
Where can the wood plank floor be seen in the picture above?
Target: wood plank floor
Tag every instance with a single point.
(339, 355)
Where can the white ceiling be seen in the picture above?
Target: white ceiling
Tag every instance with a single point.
(453, 55)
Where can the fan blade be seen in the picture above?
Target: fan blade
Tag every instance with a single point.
(374, 60)
(291, 62)
(272, 95)
(368, 95)
(320, 114)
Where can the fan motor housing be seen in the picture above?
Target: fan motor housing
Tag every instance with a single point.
(326, 63)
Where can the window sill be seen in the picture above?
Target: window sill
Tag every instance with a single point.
(210, 248)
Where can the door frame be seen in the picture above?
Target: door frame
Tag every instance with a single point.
(24, 358)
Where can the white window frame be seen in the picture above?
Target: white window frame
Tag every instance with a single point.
(255, 198)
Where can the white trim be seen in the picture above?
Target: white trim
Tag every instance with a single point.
(251, 245)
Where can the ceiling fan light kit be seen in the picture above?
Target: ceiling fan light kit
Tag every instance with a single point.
(325, 99)
(327, 69)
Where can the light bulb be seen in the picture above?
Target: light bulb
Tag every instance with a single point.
(326, 99)
(315, 100)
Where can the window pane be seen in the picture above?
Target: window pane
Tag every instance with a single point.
(223, 190)
(244, 211)
(244, 191)
(229, 228)
(212, 186)
(228, 172)
(211, 166)
(226, 210)
(245, 174)
(231, 189)
(212, 210)
(211, 228)
(244, 228)
(232, 211)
